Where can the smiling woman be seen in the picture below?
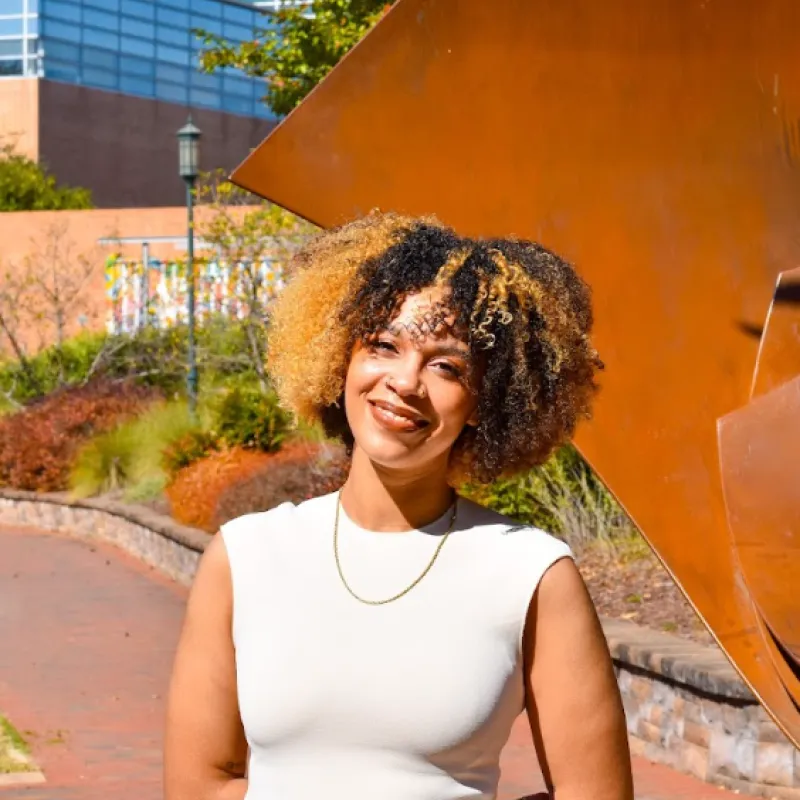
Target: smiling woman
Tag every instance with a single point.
(437, 359)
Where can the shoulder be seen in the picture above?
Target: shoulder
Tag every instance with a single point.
(271, 525)
(490, 530)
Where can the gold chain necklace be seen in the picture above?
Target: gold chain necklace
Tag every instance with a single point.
(408, 588)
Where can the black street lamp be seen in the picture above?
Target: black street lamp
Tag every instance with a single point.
(188, 168)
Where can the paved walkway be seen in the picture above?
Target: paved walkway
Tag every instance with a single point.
(87, 635)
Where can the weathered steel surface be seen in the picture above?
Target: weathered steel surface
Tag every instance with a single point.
(654, 144)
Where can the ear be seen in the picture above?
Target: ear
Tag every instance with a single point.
(473, 419)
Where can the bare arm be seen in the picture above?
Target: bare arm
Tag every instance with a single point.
(573, 701)
(205, 752)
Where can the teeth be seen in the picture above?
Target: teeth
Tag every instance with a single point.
(397, 417)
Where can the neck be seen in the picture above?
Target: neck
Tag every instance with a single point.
(378, 499)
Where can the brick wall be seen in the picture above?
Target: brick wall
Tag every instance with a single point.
(124, 148)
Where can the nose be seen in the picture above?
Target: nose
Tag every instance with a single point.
(405, 377)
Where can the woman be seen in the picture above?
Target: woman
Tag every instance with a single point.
(379, 642)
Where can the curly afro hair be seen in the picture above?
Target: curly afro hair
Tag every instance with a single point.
(525, 313)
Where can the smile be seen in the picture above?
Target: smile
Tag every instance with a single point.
(396, 418)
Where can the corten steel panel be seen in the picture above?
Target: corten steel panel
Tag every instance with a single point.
(655, 145)
(779, 353)
(760, 457)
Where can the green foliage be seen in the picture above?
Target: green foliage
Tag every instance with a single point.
(38, 443)
(130, 457)
(150, 357)
(27, 186)
(298, 50)
(191, 447)
(562, 496)
(65, 365)
(253, 419)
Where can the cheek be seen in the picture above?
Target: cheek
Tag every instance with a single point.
(362, 376)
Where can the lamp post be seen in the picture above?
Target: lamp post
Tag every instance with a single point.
(188, 167)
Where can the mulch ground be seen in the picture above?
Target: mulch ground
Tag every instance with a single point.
(636, 587)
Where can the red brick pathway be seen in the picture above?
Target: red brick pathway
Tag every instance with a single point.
(86, 642)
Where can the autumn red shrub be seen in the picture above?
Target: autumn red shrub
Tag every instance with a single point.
(38, 443)
(230, 483)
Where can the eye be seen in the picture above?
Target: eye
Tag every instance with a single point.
(449, 369)
(381, 345)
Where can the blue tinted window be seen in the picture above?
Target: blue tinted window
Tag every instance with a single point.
(177, 37)
(211, 7)
(136, 8)
(59, 9)
(33, 46)
(62, 50)
(33, 6)
(62, 30)
(98, 38)
(12, 6)
(11, 26)
(179, 19)
(263, 111)
(238, 105)
(99, 77)
(105, 5)
(182, 4)
(237, 86)
(201, 97)
(61, 70)
(203, 80)
(12, 66)
(137, 47)
(237, 14)
(167, 72)
(207, 24)
(136, 66)
(172, 92)
(143, 86)
(172, 54)
(136, 27)
(99, 58)
(10, 47)
(99, 19)
(33, 25)
(238, 33)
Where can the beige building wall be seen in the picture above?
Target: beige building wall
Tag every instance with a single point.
(19, 114)
(124, 148)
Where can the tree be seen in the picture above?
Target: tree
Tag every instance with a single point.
(245, 236)
(27, 186)
(300, 46)
(44, 299)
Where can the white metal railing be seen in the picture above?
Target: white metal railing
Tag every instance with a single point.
(154, 293)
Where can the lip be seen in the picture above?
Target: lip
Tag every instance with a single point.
(397, 418)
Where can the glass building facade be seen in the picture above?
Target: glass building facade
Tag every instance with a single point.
(145, 48)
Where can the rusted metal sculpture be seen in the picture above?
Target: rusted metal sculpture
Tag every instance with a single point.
(657, 145)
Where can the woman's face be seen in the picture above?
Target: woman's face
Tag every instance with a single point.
(408, 391)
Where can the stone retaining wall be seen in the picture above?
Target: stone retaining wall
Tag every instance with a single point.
(685, 704)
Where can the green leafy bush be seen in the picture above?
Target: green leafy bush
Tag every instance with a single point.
(38, 444)
(190, 447)
(253, 419)
(52, 368)
(151, 357)
(131, 456)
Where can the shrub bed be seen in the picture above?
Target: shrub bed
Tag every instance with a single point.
(229, 483)
(38, 444)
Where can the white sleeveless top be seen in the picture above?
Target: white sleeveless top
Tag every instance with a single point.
(413, 700)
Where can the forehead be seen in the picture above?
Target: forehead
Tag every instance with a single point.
(428, 307)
